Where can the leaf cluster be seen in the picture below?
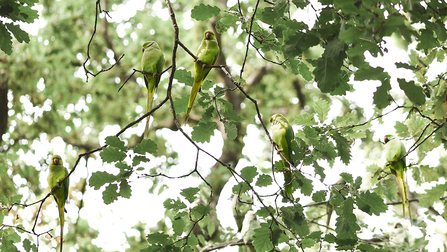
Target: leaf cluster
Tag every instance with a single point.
(301, 69)
(15, 11)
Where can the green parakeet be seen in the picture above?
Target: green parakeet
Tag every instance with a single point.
(283, 135)
(152, 65)
(207, 54)
(394, 155)
(57, 173)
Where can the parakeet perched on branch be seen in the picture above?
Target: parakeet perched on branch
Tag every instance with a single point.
(394, 155)
(57, 173)
(283, 135)
(207, 54)
(152, 66)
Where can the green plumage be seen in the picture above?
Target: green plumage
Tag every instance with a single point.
(283, 135)
(57, 173)
(394, 155)
(152, 65)
(207, 54)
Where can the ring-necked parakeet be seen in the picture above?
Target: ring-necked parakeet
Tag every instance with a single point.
(394, 155)
(207, 55)
(283, 135)
(152, 65)
(57, 173)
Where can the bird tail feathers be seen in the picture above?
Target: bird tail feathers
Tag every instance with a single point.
(61, 222)
(405, 202)
(150, 99)
(192, 97)
(187, 116)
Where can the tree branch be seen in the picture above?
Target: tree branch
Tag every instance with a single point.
(87, 72)
(225, 244)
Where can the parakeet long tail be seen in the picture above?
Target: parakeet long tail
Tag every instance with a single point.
(61, 216)
(403, 188)
(192, 97)
(187, 116)
(150, 99)
(329, 210)
(61, 208)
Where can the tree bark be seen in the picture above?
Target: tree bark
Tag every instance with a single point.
(3, 107)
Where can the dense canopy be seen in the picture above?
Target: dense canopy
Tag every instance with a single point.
(345, 73)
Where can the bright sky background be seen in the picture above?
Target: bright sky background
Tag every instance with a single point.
(117, 219)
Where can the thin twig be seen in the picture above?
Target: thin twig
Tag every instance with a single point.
(87, 72)
(249, 36)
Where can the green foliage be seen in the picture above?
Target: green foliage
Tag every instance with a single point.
(98, 179)
(346, 226)
(432, 195)
(190, 193)
(328, 70)
(203, 131)
(371, 203)
(174, 205)
(248, 173)
(28, 246)
(230, 130)
(414, 93)
(204, 12)
(295, 220)
(115, 153)
(322, 109)
(264, 180)
(320, 64)
(111, 154)
(262, 238)
(184, 76)
(146, 146)
(13, 10)
(319, 196)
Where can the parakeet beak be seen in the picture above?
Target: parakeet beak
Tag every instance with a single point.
(56, 161)
(208, 35)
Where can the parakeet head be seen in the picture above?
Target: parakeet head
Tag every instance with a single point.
(277, 118)
(148, 44)
(56, 160)
(388, 138)
(209, 35)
